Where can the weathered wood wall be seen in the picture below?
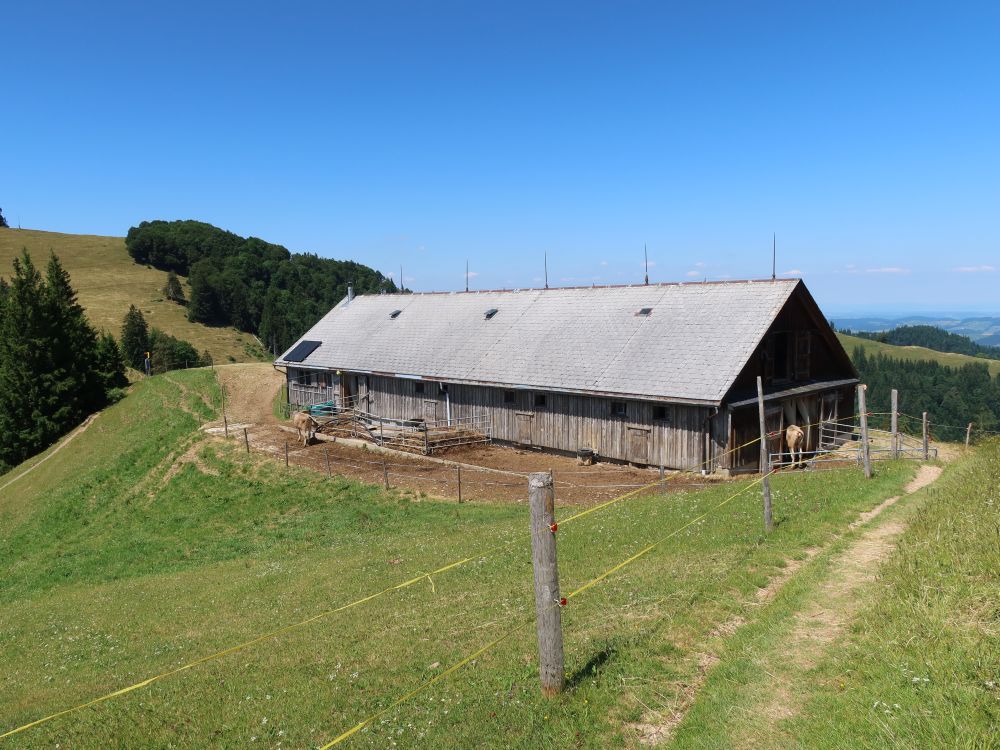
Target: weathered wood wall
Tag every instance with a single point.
(564, 422)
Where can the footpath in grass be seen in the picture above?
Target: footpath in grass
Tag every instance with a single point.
(909, 658)
(149, 545)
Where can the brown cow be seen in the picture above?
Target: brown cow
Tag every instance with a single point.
(795, 438)
(305, 426)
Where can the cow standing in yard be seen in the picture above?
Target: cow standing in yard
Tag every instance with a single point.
(305, 426)
(795, 438)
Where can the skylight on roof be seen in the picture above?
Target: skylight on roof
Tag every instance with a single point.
(394, 314)
(645, 312)
(491, 312)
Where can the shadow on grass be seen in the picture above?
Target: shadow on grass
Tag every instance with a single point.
(594, 665)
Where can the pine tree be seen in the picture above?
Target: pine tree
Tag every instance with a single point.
(173, 290)
(3, 221)
(110, 362)
(135, 338)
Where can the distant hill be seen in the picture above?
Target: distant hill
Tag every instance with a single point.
(983, 330)
(915, 353)
(108, 280)
(930, 337)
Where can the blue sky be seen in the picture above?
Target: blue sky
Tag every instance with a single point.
(427, 133)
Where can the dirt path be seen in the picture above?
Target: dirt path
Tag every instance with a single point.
(826, 618)
(65, 441)
(830, 611)
(250, 391)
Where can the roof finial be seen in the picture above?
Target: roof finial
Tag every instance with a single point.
(645, 254)
(774, 255)
(466, 274)
(546, 258)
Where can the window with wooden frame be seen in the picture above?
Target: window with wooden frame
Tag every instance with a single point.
(540, 401)
(509, 397)
(661, 414)
(619, 409)
(418, 387)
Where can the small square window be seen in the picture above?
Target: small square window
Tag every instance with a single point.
(509, 397)
(418, 387)
(645, 312)
(660, 414)
(540, 400)
(619, 409)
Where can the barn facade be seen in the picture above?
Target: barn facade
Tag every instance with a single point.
(659, 374)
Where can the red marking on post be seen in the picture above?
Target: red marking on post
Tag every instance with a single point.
(554, 528)
(562, 602)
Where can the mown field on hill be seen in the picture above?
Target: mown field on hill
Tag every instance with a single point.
(145, 545)
(915, 353)
(108, 281)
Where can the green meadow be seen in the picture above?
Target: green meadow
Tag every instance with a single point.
(145, 545)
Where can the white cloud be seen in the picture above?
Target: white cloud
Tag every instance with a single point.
(887, 269)
(699, 264)
(792, 272)
(652, 263)
(976, 269)
(473, 274)
(604, 263)
(692, 274)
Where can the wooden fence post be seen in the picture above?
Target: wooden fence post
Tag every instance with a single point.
(326, 451)
(385, 473)
(225, 425)
(968, 434)
(459, 484)
(548, 620)
(765, 459)
(286, 454)
(866, 455)
(246, 440)
(927, 452)
(895, 423)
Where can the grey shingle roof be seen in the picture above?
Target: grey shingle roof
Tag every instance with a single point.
(690, 348)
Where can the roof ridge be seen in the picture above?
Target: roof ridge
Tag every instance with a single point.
(713, 282)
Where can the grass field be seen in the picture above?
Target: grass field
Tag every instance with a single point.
(145, 545)
(107, 282)
(913, 353)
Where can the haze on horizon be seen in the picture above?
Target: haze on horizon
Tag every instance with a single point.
(424, 136)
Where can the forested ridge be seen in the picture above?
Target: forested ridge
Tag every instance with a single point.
(953, 397)
(245, 282)
(929, 337)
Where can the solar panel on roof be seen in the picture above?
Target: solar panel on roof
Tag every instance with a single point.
(302, 350)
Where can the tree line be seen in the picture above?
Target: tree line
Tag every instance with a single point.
(953, 396)
(253, 285)
(55, 369)
(929, 337)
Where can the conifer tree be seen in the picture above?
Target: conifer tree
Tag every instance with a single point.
(135, 338)
(173, 290)
(3, 221)
(110, 362)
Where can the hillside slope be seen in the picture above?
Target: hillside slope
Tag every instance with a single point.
(146, 544)
(108, 281)
(915, 353)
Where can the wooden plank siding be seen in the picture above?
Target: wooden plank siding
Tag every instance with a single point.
(688, 436)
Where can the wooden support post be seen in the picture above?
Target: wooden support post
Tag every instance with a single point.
(225, 424)
(385, 474)
(381, 432)
(765, 459)
(329, 472)
(927, 451)
(661, 473)
(866, 456)
(426, 448)
(894, 425)
(548, 620)
(246, 440)
(223, 389)
(459, 484)
(968, 434)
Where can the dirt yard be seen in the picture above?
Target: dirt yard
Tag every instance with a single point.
(489, 472)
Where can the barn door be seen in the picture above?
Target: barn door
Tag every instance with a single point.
(524, 425)
(638, 445)
(430, 410)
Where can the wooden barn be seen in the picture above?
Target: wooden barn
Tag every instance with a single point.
(659, 374)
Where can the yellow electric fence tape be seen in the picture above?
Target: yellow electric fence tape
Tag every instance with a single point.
(495, 642)
(233, 649)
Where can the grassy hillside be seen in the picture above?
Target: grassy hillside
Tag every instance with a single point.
(107, 281)
(145, 544)
(916, 353)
